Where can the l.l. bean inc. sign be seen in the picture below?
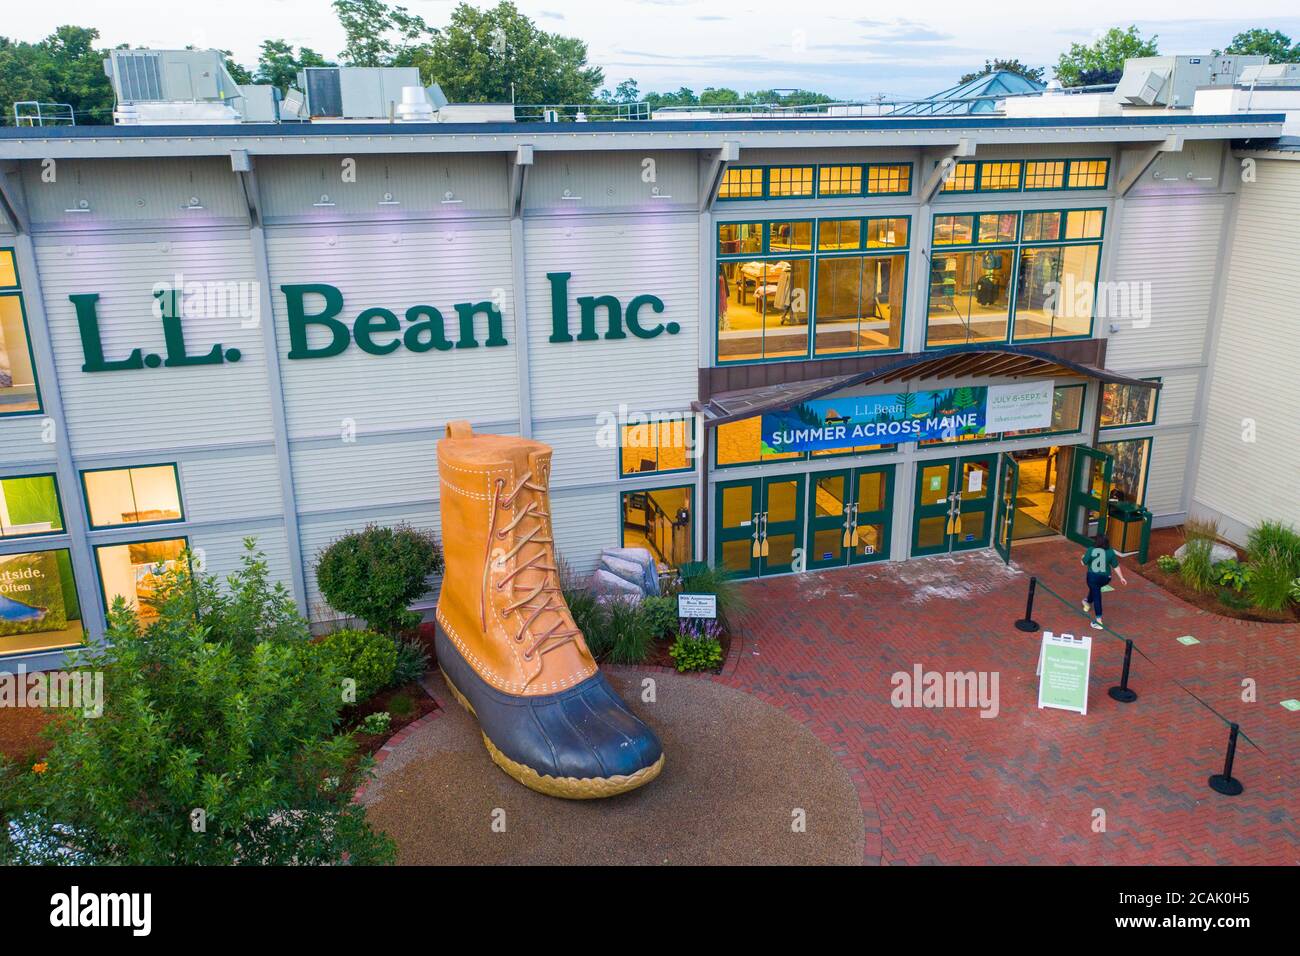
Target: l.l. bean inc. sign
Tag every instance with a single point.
(319, 328)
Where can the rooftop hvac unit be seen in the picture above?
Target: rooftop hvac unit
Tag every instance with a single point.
(172, 86)
(355, 92)
(1172, 81)
(1270, 74)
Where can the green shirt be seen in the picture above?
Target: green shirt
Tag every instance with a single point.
(1100, 560)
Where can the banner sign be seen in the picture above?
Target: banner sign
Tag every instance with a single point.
(1063, 665)
(850, 421)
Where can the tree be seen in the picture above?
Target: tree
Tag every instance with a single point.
(500, 56)
(625, 92)
(208, 751)
(1274, 44)
(64, 67)
(278, 65)
(1034, 73)
(1103, 60)
(380, 35)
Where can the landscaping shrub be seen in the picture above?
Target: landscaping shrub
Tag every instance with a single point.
(709, 579)
(241, 729)
(1167, 563)
(1295, 590)
(376, 723)
(584, 607)
(375, 574)
(629, 632)
(1270, 580)
(412, 662)
(365, 657)
(1231, 574)
(1232, 599)
(1269, 535)
(698, 647)
(662, 612)
(1196, 571)
(399, 705)
(1200, 529)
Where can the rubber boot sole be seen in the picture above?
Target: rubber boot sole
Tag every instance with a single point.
(570, 788)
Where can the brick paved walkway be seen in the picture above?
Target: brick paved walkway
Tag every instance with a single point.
(946, 786)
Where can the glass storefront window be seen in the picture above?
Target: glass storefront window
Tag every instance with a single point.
(953, 230)
(1129, 474)
(999, 177)
(661, 520)
(763, 309)
(970, 297)
(789, 236)
(1042, 226)
(656, 446)
(39, 609)
(740, 238)
(887, 233)
(859, 303)
(961, 178)
(1088, 173)
(132, 571)
(1126, 405)
(1083, 224)
(18, 394)
(29, 505)
(838, 235)
(1055, 291)
(143, 495)
(1067, 413)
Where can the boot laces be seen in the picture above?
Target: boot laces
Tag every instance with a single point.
(546, 594)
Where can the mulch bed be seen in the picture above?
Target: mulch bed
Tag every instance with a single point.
(1168, 540)
(658, 656)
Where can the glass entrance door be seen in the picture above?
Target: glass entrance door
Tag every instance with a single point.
(1085, 513)
(759, 525)
(954, 504)
(1008, 490)
(850, 515)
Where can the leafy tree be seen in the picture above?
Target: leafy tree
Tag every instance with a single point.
(207, 751)
(1034, 73)
(380, 35)
(498, 55)
(278, 65)
(625, 92)
(1274, 44)
(64, 67)
(1103, 60)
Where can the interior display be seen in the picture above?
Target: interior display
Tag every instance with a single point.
(1125, 405)
(662, 521)
(117, 496)
(132, 571)
(39, 609)
(506, 641)
(652, 446)
(29, 505)
(18, 393)
(1055, 293)
(1128, 481)
(857, 303)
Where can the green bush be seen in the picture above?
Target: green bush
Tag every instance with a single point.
(1270, 580)
(629, 632)
(375, 574)
(240, 729)
(365, 657)
(1295, 590)
(662, 612)
(691, 653)
(1271, 535)
(1196, 571)
(1230, 598)
(399, 705)
(412, 662)
(376, 723)
(584, 607)
(1167, 563)
(1231, 574)
(708, 579)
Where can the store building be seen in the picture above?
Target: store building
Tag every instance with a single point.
(219, 332)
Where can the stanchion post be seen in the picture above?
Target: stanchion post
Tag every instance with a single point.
(1122, 693)
(1027, 623)
(1225, 783)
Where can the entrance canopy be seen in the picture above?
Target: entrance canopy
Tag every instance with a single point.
(961, 361)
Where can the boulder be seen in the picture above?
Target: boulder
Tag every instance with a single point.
(627, 570)
(1219, 552)
(640, 556)
(605, 582)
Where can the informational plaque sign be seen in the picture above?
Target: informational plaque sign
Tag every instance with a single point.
(1063, 665)
(697, 605)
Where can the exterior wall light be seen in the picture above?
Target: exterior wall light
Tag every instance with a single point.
(323, 201)
(388, 200)
(83, 205)
(449, 198)
(193, 203)
(568, 195)
(655, 193)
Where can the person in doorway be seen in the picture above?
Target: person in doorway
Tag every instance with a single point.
(1099, 560)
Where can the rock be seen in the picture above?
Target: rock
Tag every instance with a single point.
(643, 558)
(606, 582)
(1219, 552)
(627, 570)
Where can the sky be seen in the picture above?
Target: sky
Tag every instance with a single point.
(850, 49)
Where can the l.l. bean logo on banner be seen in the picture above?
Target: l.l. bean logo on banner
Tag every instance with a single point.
(318, 329)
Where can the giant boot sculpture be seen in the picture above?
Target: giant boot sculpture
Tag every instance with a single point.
(506, 641)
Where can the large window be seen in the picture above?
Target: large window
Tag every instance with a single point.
(133, 571)
(39, 609)
(1051, 261)
(806, 182)
(656, 446)
(1128, 480)
(1067, 413)
(1123, 406)
(661, 520)
(18, 392)
(1000, 175)
(767, 303)
(29, 505)
(142, 495)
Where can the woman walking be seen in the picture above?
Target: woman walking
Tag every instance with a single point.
(1100, 560)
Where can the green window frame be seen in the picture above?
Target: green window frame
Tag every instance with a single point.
(815, 181)
(1126, 468)
(747, 179)
(838, 180)
(14, 322)
(1045, 174)
(99, 560)
(897, 176)
(90, 509)
(1155, 405)
(986, 176)
(1089, 174)
(671, 541)
(61, 625)
(655, 429)
(791, 182)
(28, 500)
(896, 229)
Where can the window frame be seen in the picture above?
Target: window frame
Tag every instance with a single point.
(1155, 406)
(1146, 467)
(692, 490)
(99, 568)
(690, 420)
(81, 609)
(864, 192)
(180, 497)
(866, 178)
(1069, 167)
(1024, 162)
(862, 180)
(16, 291)
(58, 498)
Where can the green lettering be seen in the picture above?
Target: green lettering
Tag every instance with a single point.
(656, 305)
(559, 306)
(426, 335)
(466, 312)
(92, 345)
(299, 320)
(170, 302)
(376, 320)
(589, 304)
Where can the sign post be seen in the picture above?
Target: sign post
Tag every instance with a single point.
(1064, 662)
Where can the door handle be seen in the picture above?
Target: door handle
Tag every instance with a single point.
(764, 536)
(758, 533)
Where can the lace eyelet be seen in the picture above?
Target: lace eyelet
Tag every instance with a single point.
(528, 655)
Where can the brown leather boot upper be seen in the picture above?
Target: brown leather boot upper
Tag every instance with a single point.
(500, 602)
